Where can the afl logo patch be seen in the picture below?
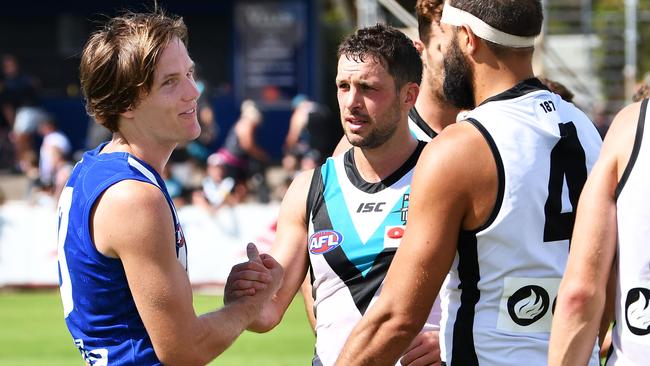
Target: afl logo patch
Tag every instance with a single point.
(324, 241)
(528, 304)
(637, 311)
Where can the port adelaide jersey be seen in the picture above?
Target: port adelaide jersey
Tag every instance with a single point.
(419, 128)
(631, 332)
(498, 302)
(354, 230)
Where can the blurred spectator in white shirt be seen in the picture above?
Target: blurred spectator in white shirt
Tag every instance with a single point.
(54, 152)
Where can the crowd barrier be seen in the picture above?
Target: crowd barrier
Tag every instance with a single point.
(216, 241)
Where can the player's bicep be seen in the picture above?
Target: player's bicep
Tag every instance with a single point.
(435, 215)
(144, 241)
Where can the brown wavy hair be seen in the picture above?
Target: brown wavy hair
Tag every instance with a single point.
(427, 12)
(118, 62)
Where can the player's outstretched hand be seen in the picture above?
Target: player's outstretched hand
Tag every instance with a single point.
(424, 350)
(246, 279)
(276, 270)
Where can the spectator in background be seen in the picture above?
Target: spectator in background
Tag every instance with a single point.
(297, 140)
(19, 89)
(200, 148)
(6, 149)
(62, 170)
(54, 152)
(18, 100)
(216, 185)
(240, 148)
(311, 127)
(311, 134)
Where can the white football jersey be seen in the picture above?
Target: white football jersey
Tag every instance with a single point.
(501, 290)
(631, 332)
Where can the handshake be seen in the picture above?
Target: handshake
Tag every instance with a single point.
(255, 282)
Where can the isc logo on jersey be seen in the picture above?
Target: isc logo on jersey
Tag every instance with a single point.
(324, 241)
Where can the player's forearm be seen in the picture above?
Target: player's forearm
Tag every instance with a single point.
(268, 318)
(574, 347)
(378, 340)
(575, 324)
(200, 341)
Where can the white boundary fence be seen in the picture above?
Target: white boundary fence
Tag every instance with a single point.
(215, 241)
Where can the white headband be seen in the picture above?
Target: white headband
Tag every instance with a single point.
(457, 17)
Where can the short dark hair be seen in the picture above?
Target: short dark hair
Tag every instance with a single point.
(118, 62)
(387, 45)
(517, 17)
(427, 12)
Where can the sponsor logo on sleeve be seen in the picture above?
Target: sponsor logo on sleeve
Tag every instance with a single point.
(324, 241)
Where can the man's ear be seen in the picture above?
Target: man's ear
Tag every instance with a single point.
(467, 40)
(419, 45)
(411, 91)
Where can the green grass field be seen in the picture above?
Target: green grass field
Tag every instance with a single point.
(33, 333)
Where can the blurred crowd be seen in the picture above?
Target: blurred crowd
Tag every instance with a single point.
(32, 145)
(241, 170)
(30, 141)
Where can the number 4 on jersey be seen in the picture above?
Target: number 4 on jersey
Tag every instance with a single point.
(567, 160)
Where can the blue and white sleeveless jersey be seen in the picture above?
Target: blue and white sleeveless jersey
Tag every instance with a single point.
(498, 302)
(419, 128)
(355, 228)
(631, 332)
(98, 305)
